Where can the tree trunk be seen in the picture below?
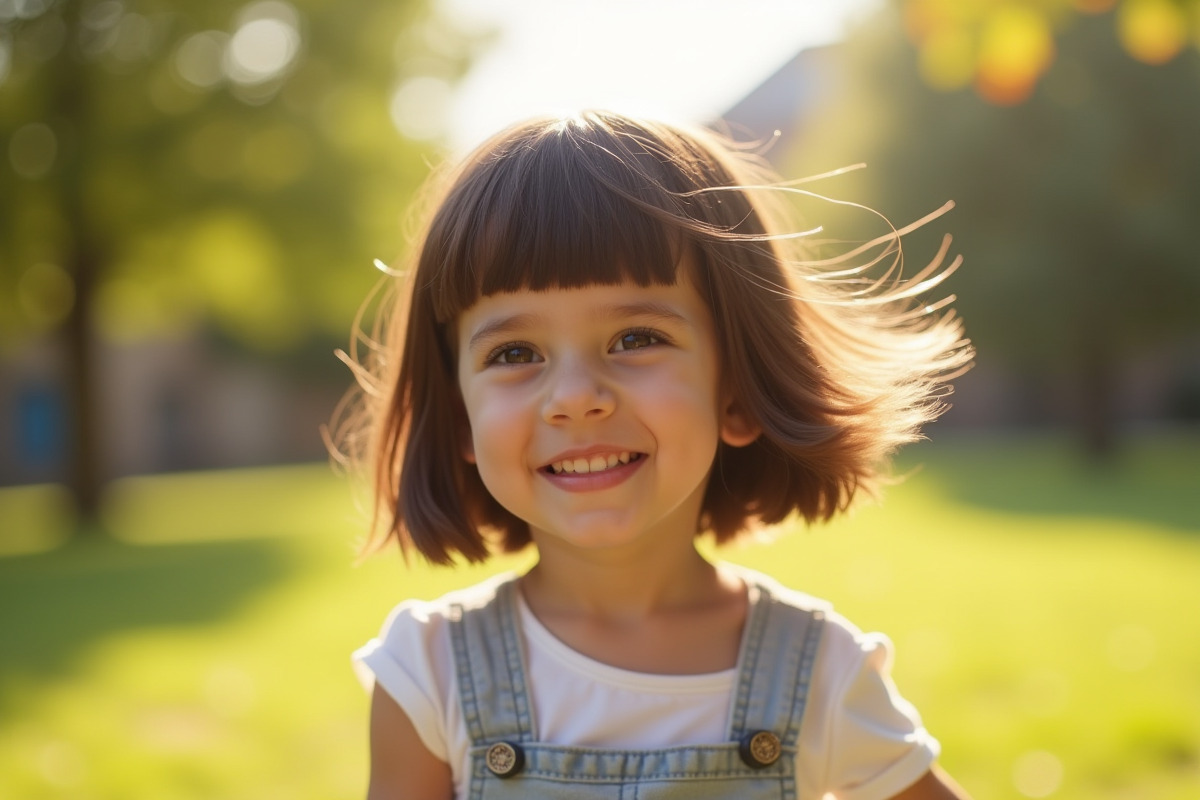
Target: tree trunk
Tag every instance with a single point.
(85, 477)
(82, 256)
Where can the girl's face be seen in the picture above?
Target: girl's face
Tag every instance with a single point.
(595, 412)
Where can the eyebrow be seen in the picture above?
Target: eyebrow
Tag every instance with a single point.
(501, 326)
(515, 323)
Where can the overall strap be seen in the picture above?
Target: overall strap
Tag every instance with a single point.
(775, 667)
(491, 669)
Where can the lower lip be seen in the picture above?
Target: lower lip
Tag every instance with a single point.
(594, 481)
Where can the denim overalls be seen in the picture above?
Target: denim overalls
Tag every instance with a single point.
(757, 761)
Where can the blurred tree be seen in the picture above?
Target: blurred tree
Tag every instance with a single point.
(1004, 48)
(235, 164)
(1077, 208)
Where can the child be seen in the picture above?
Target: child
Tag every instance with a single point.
(606, 348)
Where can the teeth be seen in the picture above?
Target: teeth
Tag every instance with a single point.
(597, 463)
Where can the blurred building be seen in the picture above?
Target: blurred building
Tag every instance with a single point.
(167, 405)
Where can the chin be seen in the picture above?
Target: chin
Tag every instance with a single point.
(595, 537)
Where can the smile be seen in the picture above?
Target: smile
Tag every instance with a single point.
(596, 463)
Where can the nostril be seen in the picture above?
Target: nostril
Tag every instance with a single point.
(578, 402)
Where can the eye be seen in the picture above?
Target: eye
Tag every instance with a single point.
(512, 353)
(637, 339)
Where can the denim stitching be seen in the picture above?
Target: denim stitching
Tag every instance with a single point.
(466, 683)
(808, 658)
(750, 652)
(514, 660)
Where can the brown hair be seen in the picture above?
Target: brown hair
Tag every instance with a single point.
(838, 370)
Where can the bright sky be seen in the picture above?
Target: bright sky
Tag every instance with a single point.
(681, 60)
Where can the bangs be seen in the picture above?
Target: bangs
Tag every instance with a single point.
(561, 207)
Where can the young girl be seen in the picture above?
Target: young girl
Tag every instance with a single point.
(607, 347)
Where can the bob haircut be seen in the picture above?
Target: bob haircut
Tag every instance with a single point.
(837, 369)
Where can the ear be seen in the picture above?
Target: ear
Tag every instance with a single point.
(737, 428)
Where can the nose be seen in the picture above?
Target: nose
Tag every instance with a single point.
(576, 391)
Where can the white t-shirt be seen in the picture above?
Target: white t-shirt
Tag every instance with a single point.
(859, 739)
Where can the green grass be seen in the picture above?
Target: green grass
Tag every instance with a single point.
(1045, 614)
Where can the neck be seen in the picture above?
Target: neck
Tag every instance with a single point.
(621, 584)
(674, 616)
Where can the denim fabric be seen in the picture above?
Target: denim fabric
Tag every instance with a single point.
(775, 666)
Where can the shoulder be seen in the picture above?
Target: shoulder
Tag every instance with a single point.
(412, 660)
(413, 648)
(421, 624)
(438, 612)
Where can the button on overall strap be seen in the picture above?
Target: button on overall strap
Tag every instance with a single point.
(775, 669)
(490, 665)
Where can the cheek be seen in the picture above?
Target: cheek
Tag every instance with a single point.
(496, 426)
(684, 405)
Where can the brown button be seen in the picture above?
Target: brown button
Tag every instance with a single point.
(504, 759)
(760, 749)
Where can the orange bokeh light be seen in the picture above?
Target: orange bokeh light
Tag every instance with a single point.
(1016, 48)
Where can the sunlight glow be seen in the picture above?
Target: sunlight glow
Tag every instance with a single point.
(678, 60)
(420, 107)
(265, 43)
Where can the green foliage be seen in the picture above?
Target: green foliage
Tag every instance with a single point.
(228, 162)
(1041, 610)
(1075, 209)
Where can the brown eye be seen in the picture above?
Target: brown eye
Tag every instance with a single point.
(513, 354)
(636, 340)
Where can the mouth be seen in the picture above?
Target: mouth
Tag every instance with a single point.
(596, 463)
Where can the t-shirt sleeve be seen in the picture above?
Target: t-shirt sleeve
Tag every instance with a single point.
(410, 661)
(875, 745)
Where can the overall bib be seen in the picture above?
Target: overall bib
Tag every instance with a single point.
(757, 762)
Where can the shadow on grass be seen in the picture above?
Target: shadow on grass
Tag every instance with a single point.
(55, 605)
(1153, 480)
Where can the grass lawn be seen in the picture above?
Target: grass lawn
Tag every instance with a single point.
(1046, 615)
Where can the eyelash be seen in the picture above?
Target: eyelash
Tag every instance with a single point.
(497, 353)
(494, 356)
(650, 333)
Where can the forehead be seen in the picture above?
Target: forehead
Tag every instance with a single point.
(510, 313)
